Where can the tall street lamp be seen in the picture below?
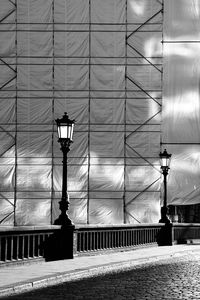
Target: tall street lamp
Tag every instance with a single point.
(65, 128)
(165, 159)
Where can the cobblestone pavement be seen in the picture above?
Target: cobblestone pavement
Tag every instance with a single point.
(174, 278)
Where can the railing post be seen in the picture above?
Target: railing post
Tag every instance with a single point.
(165, 235)
(60, 245)
(75, 240)
(173, 241)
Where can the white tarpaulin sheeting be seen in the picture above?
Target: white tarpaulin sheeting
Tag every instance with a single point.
(101, 62)
(181, 99)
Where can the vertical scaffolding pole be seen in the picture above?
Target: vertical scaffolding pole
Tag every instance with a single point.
(89, 117)
(125, 103)
(16, 96)
(52, 111)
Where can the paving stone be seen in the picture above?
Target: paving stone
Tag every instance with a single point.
(174, 278)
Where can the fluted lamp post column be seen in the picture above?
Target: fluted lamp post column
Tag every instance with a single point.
(165, 159)
(65, 128)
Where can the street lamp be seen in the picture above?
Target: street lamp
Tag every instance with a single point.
(165, 159)
(65, 128)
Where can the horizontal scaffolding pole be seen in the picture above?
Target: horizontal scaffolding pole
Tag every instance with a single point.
(83, 64)
(74, 57)
(80, 30)
(70, 97)
(82, 191)
(77, 90)
(84, 23)
(181, 143)
(176, 42)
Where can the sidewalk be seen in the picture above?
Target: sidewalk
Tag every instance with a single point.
(23, 278)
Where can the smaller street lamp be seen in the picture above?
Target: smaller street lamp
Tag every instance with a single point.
(165, 159)
(65, 128)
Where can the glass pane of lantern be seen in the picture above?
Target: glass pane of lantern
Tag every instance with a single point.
(63, 132)
(164, 162)
(68, 131)
(72, 129)
(169, 161)
(58, 131)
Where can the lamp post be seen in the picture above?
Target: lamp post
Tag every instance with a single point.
(65, 128)
(165, 159)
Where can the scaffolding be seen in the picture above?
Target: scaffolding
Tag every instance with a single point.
(101, 61)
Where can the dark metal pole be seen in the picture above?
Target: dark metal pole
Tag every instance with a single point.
(63, 219)
(165, 173)
(65, 149)
(164, 209)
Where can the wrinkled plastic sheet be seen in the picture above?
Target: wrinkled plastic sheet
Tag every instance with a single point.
(181, 119)
(62, 66)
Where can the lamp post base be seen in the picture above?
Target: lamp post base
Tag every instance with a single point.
(164, 218)
(63, 220)
(164, 237)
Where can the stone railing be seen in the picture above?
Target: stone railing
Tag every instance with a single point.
(93, 238)
(186, 233)
(29, 243)
(24, 243)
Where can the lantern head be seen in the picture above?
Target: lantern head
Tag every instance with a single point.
(65, 128)
(165, 159)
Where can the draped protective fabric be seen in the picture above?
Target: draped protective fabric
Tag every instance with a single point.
(101, 62)
(181, 99)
